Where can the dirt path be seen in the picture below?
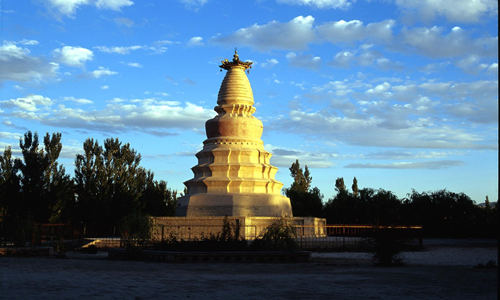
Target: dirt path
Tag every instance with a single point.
(50, 278)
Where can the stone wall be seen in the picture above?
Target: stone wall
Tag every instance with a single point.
(249, 228)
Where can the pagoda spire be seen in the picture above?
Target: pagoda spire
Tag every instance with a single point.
(234, 176)
(236, 62)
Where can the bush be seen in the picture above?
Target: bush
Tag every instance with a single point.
(387, 246)
(135, 229)
(280, 235)
(16, 230)
(227, 240)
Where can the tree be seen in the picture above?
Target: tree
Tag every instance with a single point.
(13, 224)
(355, 187)
(46, 189)
(444, 213)
(305, 201)
(58, 185)
(159, 200)
(301, 179)
(10, 187)
(339, 185)
(112, 188)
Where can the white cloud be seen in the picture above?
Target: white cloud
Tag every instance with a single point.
(379, 89)
(343, 59)
(372, 131)
(78, 100)
(270, 63)
(471, 64)
(102, 71)
(69, 7)
(73, 56)
(113, 4)
(194, 4)
(433, 42)
(66, 7)
(134, 65)
(150, 115)
(122, 115)
(454, 10)
(295, 34)
(354, 30)
(304, 61)
(9, 135)
(119, 49)
(405, 155)
(319, 3)
(493, 69)
(104, 87)
(26, 42)
(429, 114)
(284, 157)
(124, 22)
(298, 33)
(17, 64)
(29, 103)
(438, 164)
(157, 47)
(364, 56)
(195, 41)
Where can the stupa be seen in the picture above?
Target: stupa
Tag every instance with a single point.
(233, 180)
(234, 176)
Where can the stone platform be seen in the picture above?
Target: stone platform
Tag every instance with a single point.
(249, 228)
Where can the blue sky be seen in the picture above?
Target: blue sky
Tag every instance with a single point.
(402, 94)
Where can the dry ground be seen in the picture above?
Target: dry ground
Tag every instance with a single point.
(334, 277)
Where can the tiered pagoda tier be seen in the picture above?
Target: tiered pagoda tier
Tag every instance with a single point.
(233, 176)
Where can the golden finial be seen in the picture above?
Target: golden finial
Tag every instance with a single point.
(235, 56)
(226, 64)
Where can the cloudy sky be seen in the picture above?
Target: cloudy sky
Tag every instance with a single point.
(402, 94)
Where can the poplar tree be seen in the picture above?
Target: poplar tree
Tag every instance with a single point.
(340, 186)
(305, 201)
(355, 191)
(112, 188)
(46, 189)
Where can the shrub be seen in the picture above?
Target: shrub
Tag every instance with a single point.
(387, 246)
(280, 235)
(135, 229)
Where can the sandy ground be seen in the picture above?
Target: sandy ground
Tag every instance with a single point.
(438, 252)
(442, 272)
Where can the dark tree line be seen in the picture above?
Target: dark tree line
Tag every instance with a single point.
(306, 201)
(108, 187)
(441, 213)
(110, 190)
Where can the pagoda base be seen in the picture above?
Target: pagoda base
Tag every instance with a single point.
(248, 228)
(229, 204)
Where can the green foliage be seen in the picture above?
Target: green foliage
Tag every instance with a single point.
(111, 184)
(306, 204)
(16, 229)
(135, 229)
(47, 191)
(355, 191)
(280, 235)
(340, 186)
(305, 201)
(158, 199)
(301, 178)
(444, 213)
(34, 188)
(228, 239)
(10, 187)
(387, 246)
